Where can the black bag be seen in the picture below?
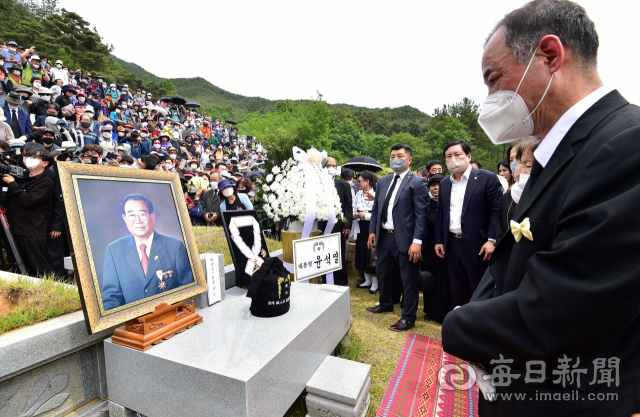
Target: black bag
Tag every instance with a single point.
(426, 281)
(270, 290)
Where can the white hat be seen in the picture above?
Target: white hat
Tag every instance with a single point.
(89, 109)
(44, 90)
(35, 57)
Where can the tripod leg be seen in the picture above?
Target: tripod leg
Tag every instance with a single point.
(12, 242)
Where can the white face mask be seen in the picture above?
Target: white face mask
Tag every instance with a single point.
(227, 191)
(182, 148)
(121, 134)
(45, 98)
(194, 166)
(117, 110)
(214, 185)
(518, 188)
(13, 50)
(504, 115)
(169, 166)
(332, 171)
(81, 99)
(37, 85)
(59, 66)
(143, 135)
(457, 165)
(194, 190)
(106, 135)
(31, 163)
(156, 146)
(16, 72)
(36, 66)
(172, 156)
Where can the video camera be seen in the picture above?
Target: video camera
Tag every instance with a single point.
(8, 164)
(74, 153)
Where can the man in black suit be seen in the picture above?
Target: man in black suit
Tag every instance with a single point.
(340, 277)
(466, 219)
(398, 223)
(563, 285)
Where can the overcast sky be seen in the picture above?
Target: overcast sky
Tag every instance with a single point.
(367, 53)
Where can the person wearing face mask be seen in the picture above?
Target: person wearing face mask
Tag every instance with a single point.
(398, 224)
(521, 170)
(17, 118)
(194, 165)
(81, 105)
(342, 227)
(138, 149)
(117, 115)
(29, 200)
(33, 68)
(6, 86)
(64, 101)
(39, 107)
(84, 134)
(563, 279)
(107, 143)
(183, 153)
(11, 55)
(466, 220)
(47, 139)
(58, 73)
(232, 200)
(211, 201)
(157, 147)
(437, 300)
(219, 153)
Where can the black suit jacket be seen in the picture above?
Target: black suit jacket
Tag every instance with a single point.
(344, 192)
(575, 289)
(480, 208)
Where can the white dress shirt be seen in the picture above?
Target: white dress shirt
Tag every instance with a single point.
(389, 224)
(147, 242)
(549, 144)
(458, 189)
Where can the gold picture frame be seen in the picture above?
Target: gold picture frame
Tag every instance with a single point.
(96, 317)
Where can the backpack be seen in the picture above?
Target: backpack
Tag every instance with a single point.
(270, 289)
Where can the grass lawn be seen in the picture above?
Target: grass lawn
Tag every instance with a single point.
(373, 343)
(23, 302)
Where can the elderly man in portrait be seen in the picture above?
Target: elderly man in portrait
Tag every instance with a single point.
(558, 309)
(145, 263)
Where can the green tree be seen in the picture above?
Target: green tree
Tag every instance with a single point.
(447, 130)
(347, 138)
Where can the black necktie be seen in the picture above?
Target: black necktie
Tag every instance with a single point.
(14, 124)
(536, 170)
(385, 206)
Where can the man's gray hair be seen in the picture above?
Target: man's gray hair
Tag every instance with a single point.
(526, 26)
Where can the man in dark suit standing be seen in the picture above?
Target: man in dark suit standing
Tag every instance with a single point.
(144, 264)
(17, 118)
(340, 277)
(466, 219)
(563, 285)
(398, 223)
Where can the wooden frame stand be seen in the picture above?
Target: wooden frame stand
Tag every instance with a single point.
(167, 320)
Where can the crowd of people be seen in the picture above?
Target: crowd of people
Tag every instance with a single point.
(55, 112)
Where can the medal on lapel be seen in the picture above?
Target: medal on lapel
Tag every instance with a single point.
(160, 276)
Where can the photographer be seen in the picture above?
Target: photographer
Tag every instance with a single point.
(28, 201)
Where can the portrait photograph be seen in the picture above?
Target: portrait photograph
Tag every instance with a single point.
(135, 237)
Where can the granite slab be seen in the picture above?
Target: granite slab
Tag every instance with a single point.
(233, 364)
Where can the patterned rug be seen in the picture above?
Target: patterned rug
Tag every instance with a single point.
(415, 390)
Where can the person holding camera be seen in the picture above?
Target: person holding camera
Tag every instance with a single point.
(28, 201)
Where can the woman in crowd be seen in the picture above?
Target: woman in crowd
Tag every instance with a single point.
(504, 170)
(245, 186)
(438, 302)
(522, 167)
(232, 199)
(361, 217)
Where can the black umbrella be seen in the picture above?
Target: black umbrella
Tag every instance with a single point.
(167, 99)
(178, 100)
(191, 105)
(231, 122)
(363, 163)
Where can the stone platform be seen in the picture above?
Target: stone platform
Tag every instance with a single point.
(233, 364)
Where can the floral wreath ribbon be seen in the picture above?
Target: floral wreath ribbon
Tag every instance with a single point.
(254, 261)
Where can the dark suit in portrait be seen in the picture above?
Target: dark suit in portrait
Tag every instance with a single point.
(409, 213)
(124, 281)
(480, 207)
(574, 289)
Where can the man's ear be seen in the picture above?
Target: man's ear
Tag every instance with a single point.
(153, 216)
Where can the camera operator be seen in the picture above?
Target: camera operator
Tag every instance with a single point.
(28, 200)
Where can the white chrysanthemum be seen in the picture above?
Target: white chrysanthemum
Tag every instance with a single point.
(275, 170)
(314, 156)
(266, 188)
(269, 178)
(279, 177)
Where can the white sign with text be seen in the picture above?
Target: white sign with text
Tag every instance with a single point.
(316, 256)
(212, 270)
